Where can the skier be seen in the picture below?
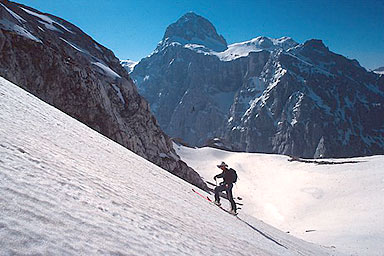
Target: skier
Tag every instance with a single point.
(229, 176)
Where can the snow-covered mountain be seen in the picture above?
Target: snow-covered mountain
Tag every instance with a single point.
(379, 71)
(129, 65)
(332, 202)
(193, 30)
(67, 190)
(263, 95)
(59, 63)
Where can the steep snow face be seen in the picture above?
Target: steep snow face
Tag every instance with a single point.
(129, 65)
(59, 63)
(66, 189)
(332, 204)
(192, 29)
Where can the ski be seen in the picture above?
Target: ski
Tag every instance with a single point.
(207, 198)
(212, 202)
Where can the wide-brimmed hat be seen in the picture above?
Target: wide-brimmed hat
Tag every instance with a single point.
(222, 165)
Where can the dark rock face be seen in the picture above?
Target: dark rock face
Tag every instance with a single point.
(194, 94)
(66, 68)
(265, 95)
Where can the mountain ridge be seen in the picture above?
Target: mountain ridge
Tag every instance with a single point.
(265, 95)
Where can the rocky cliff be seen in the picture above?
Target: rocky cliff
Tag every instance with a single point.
(60, 64)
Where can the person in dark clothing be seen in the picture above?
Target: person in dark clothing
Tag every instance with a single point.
(226, 185)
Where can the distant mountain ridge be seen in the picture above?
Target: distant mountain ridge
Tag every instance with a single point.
(60, 64)
(264, 95)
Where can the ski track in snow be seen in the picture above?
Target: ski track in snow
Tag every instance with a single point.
(67, 190)
(339, 205)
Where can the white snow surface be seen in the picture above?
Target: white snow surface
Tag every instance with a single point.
(257, 44)
(67, 190)
(106, 70)
(338, 205)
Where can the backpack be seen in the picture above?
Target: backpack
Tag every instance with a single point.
(232, 175)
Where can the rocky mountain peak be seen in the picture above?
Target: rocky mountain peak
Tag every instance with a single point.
(316, 44)
(194, 29)
(264, 95)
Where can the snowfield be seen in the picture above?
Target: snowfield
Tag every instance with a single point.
(67, 190)
(334, 205)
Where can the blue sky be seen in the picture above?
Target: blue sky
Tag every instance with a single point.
(132, 28)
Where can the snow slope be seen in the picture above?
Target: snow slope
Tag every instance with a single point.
(339, 205)
(67, 190)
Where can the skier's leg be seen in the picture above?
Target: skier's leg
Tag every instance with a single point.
(230, 197)
(218, 189)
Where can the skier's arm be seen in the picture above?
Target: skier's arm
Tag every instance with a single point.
(221, 175)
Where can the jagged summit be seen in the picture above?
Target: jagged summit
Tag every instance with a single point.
(316, 44)
(194, 29)
(321, 56)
